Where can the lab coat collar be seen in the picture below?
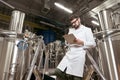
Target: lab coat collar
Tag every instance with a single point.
(81, 27)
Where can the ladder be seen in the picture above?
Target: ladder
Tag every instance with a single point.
(37, 74)
(89, 73)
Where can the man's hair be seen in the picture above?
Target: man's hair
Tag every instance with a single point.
(73, 16)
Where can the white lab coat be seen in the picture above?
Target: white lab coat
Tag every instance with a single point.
(74, 59)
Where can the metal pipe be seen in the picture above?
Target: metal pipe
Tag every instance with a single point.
(16, 24)
(17, 20)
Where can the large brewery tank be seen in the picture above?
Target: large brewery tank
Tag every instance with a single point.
(109, 46)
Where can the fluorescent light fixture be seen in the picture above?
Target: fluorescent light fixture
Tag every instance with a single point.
(93, 16)
(95, 22)
(63, 7)
(47, 23)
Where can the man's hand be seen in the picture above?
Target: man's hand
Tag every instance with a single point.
(78, 41)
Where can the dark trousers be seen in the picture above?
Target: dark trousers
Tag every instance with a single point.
(63, 76)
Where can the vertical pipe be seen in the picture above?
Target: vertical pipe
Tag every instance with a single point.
(16, 24)
(17, 20)
(106, 25)
(105, 19)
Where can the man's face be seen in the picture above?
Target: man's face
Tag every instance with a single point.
(75, 22)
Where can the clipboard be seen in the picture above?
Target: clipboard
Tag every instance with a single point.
(69, 38)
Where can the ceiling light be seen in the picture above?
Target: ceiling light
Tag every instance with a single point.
(63, 7)
(95, 17)
(96, 23)
(47, 23)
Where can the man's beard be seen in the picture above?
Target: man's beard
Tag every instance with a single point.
(76, 26)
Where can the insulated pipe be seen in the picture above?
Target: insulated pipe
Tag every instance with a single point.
(109, 57)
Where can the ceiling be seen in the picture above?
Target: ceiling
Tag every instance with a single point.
(46, 9)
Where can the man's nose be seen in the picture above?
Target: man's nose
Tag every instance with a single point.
(73, 24)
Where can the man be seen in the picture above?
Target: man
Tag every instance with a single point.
(71, 66)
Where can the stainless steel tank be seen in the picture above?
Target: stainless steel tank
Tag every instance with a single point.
(8, 44)
(108, 46)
